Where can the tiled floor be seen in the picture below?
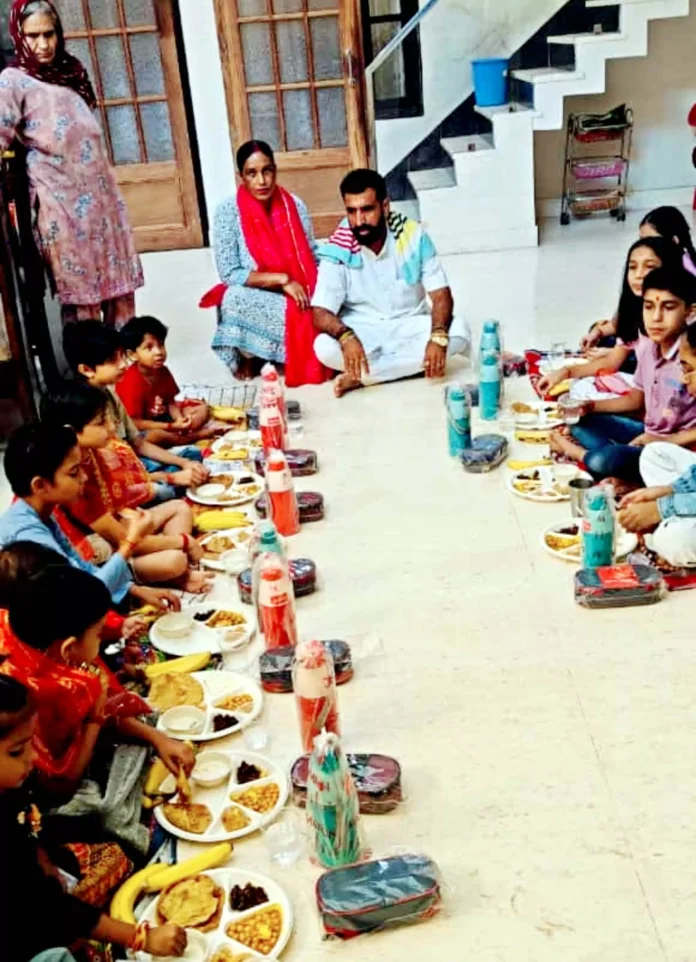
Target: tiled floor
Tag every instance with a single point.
(546, 750)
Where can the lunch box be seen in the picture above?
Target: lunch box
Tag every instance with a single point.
(292, 407)
(311, 505)
(275, 666)
(301, 462)
(357, 899)
(377, 779)
(303, 574)
(485, 454)
(619, 586)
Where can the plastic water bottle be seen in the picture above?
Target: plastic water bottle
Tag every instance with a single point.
(489, 386)
(490, 338)
(276, 602)
(458, 419)
(283, 507)
(598, 529)
(271, 383)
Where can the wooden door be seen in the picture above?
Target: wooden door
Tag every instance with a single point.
(129, 49)
(293, 72)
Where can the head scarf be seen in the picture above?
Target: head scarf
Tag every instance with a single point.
(65, 70)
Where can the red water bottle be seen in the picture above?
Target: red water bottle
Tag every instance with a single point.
(276, 605)
(314, 684)
(273, 434)
(283, 507)
(274, 386)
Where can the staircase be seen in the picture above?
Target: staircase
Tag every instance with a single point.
(491, 182)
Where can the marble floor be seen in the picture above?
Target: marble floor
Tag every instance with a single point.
(545, 748)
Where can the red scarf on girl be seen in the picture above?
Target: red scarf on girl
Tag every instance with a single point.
(65, 70)
(278, 244)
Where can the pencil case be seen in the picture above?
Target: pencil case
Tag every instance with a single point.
(619, 586)
(303, 574)
(370, 896)
(377, 779)
(311, 505)
(485, 454)
(301, 463)
(275, 666)
(292, 407)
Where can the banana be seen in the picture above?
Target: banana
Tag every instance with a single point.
(523, 465)
(559, 389)
(179, 666)
(233, 415)
(157, 774)
(209, 858)
(221, 520)
(126, 897)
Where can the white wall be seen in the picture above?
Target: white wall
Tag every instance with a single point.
(661, 88)
(209, 104)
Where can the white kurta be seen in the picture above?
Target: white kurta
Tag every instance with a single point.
(391, 318)
(675, 538)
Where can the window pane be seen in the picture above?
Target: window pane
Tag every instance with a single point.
(103, 13)
(292, 51)
(252, 8)
(263, 111)
(298, 119)
(327, 56)
(147, 63)
(382, 8)
(124, 135)
(139, 12)
(112, 67)
(323, 4)
(80, 49)
(71, 14)
(390, 78)
(287, 6)
(158, 131)
(256, 43)
(332, 117)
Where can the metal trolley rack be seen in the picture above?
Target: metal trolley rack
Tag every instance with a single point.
(595, 184)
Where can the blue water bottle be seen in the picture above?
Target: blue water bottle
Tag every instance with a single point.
(597, 530)
(490, 338)
(489, 386)
(458, 406)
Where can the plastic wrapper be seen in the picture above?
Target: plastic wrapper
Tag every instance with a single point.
(275, 666)
(377, 781)
(276, 603)
(280, 492)
(314, 684)
(333, 811)
(619, 586)
(376, 895)
(303, 575)
(486, 452)
(310, 503)
(301, 462)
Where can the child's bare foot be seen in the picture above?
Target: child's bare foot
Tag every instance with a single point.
(196, 582)
(562, 444)
(345, 383)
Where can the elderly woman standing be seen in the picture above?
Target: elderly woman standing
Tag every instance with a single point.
(47, 103)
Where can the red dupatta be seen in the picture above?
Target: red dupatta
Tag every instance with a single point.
(65, 697)
(278, 244)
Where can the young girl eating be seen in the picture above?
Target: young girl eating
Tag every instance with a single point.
(670, 223)
(36, 914)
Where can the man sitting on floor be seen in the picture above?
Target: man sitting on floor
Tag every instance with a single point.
(370, 302)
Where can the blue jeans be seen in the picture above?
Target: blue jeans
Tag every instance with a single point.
(606, 438)
(168, 492)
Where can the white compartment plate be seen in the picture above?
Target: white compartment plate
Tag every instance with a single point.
(202, 638)
(217, 684)
(541, 494)
(625, 543)
(238, 495)
(227, 878)
(218, 798)
(233, 534)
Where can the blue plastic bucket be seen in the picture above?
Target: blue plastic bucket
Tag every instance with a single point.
(490, 81)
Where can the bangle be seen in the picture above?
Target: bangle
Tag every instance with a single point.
(347, 335)
(139, 941)
(186, 542)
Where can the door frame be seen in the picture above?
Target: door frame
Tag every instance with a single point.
(356, 152)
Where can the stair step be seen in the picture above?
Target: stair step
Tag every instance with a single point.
(511, 108)
(432, 179)
(614, 3)
(545, 75)
(572, 38)
(462, 145)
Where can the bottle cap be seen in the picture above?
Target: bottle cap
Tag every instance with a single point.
(490, 327)
(276, 461)
(269, 372)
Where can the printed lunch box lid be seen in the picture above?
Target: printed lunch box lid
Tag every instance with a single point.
(303, 573)
(275, 665)
(486, 450)
(375, 776)
(618, 580)
(377, 885)
(301, 462)
(311, 505)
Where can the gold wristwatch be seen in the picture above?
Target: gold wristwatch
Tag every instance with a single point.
(441, 338)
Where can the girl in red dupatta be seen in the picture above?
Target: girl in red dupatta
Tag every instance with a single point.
(276, 240)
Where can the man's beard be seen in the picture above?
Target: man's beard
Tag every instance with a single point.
(367, 235)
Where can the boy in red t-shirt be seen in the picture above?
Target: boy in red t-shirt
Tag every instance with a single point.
(148, 389)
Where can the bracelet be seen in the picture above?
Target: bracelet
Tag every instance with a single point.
(139, 941)
(347, 335)
(186, 542)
